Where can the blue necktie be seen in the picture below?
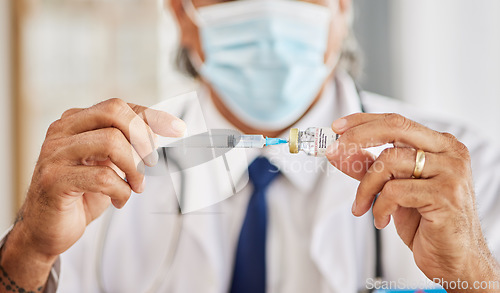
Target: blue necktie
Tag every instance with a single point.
(249, 273)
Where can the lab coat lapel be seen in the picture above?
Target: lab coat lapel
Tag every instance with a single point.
(212, 228)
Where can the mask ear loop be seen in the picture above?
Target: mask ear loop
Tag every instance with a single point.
(195, 60)
(195, 17)
(332, 62)
(192, 13)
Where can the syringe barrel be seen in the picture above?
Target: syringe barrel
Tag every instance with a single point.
(214, 138)
(251, 141)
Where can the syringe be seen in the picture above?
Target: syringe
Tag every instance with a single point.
(258, 141)
(226, 138)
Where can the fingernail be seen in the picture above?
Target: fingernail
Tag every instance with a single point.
(155, 141)
(141, 168)
(152, 158)
(117, 204)
(179, 126)
(353, 210)
(332, 148)
(143, 184)
(339, 124)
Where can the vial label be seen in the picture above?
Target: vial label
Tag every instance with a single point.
(323, 138)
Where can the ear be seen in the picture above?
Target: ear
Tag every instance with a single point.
(188, 30)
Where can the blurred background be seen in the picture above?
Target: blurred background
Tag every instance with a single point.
(443, 56)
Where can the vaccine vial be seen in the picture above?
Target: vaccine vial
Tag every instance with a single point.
(313, 141)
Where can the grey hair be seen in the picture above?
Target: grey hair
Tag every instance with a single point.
(351, 58)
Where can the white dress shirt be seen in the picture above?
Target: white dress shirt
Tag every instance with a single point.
(314, 243)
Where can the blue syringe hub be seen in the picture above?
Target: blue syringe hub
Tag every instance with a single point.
(275, 141)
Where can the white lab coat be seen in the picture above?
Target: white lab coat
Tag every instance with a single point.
(314, 243)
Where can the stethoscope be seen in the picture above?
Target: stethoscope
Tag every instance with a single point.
(168, 260)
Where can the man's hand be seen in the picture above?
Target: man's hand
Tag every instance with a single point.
(435, 215)
(83, 164)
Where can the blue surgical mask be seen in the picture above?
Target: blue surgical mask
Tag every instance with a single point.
(264, 58)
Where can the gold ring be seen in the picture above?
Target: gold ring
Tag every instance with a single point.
(419, 164)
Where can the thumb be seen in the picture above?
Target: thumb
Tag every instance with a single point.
(353, 161)
(160, 122)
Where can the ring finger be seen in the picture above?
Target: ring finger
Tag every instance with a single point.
(393, 163)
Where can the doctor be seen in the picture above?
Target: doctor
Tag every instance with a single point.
(264, 66)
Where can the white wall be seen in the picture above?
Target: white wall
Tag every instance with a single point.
(447, 58)
(6, 176)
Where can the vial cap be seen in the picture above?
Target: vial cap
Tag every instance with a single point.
(293, 142)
